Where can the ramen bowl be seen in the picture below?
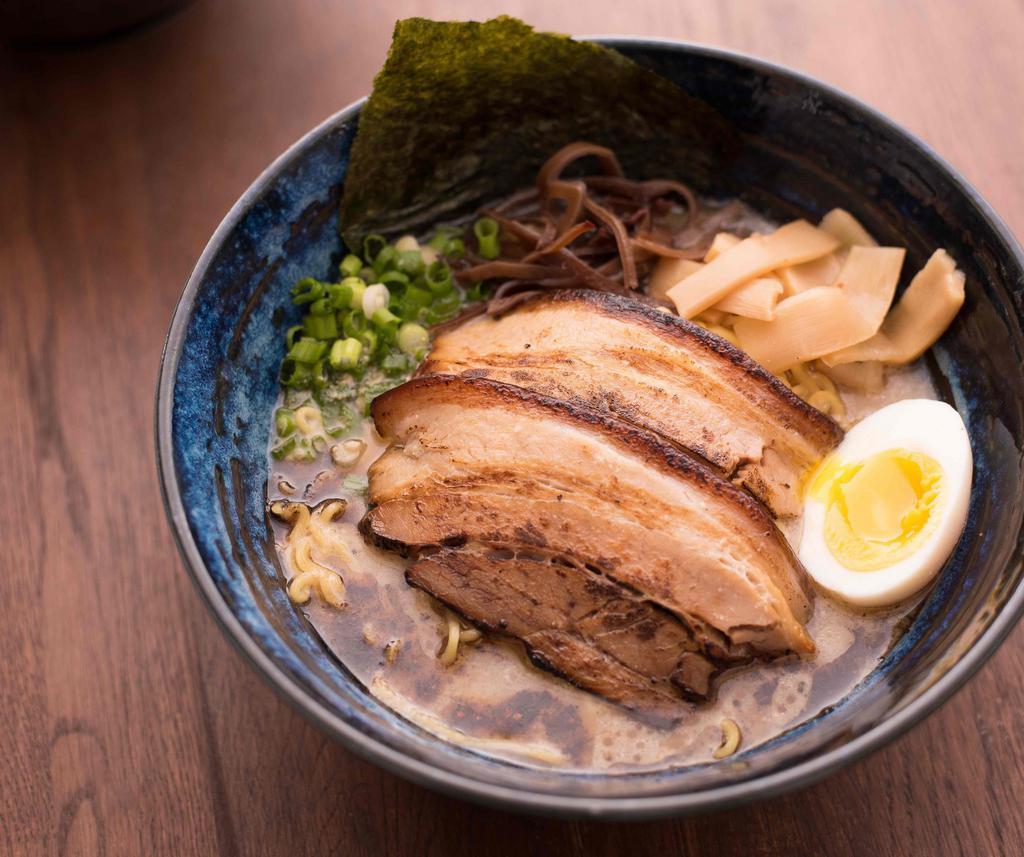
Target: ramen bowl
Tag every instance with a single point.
(806, 149)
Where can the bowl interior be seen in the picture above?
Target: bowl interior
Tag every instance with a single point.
(807, 149)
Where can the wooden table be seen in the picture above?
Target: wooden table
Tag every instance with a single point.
(128, 725)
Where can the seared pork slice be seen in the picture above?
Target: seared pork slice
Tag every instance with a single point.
(623, 357)
(471, 459)
(576, 623)
(494, 514)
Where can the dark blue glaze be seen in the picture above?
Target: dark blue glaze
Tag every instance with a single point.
(807, 148)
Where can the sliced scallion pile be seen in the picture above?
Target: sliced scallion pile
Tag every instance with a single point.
(368, 331)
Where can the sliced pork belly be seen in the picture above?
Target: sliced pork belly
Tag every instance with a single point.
(576, 623)
(476, 461)
(657, 371)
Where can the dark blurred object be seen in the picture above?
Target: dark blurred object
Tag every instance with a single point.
(36, 22)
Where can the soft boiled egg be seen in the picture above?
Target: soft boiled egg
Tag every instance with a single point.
(885, 509)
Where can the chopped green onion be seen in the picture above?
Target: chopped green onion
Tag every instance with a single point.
(369, 340)
(444, 308)
(439, 277)
(394, 280)
(416, 297)
(477, 292)
(341, 421)
(410, 262)
(320, 327)
(454, 249)
(412, 338)
(321, 307)
(375, 297)
(303, 451)
(295, 374)
(318, 375)
(359, 484)
(444, 234)
(432, 316)
(283, 450)
(340, 295)
(383, 317)
(387, 334)
(486, 232)
(386, 260)
(406, 311)
(304, 285)
(295, 398)
(355, 324)
(345, 353)
(350, 266)
(307, 290)
(396, 364)
(372, 245)
(372, 391)
(450, 301)
(358, 288)
(365, 334)
(319, 443)
(307, 350)
(284, 422)
(290, 336)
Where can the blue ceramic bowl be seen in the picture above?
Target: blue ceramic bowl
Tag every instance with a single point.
(807, 148)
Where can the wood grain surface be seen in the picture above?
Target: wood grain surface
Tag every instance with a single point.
(128, 724)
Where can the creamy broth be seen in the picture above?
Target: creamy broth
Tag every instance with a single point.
(494, 701)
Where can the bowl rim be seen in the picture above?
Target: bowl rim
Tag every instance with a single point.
(796, 776)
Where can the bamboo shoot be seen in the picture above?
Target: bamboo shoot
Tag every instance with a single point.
(668, 272)
(811, 275)
(846, 228)
(723, 241)
(869, 280)
(806, 326)
(791, 244)
(920, 317)
(756, 299)
(867, 377)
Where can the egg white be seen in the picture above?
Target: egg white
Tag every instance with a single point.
(917, 425)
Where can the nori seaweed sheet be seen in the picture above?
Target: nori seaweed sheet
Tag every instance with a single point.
(463, 112)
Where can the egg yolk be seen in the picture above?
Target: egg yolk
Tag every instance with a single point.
(879, 510)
